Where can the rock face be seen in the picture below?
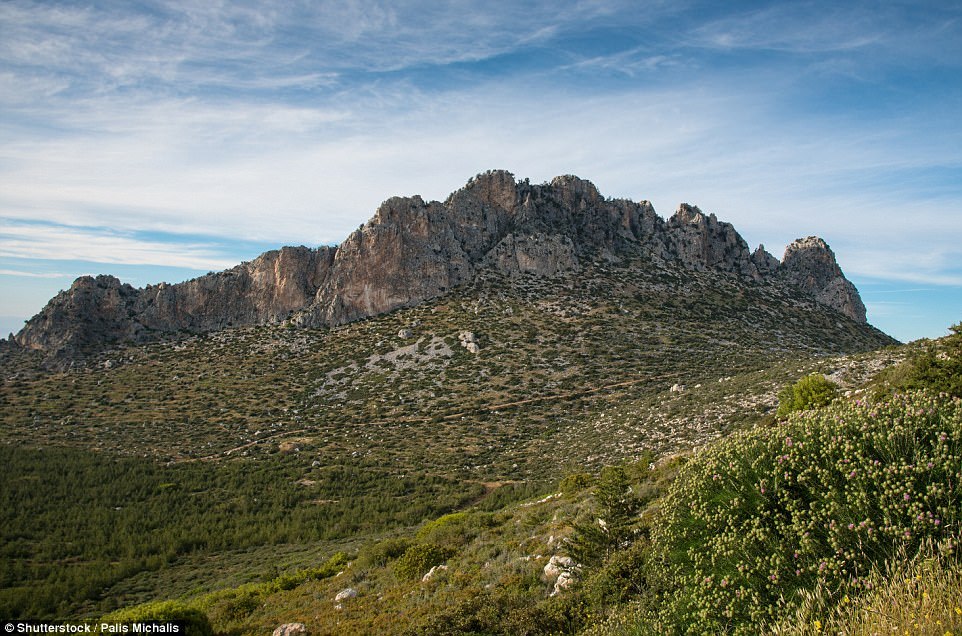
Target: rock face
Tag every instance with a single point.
(412, 250)
(703, 243)
(809, 264)
(98, 310)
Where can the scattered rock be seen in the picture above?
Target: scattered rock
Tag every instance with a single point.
(345, 594)
(565, 580)
(677, 388)
(434, 570)
(291, 629)
(405, 333)
(469, 341)
(563, 571)
(558, 564)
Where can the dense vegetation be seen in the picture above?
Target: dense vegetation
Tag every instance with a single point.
(844, 518)
(72, 522)
(821, 501)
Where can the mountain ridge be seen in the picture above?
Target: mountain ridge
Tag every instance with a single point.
(411, 251)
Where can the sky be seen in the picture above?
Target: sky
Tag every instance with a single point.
(157, 141)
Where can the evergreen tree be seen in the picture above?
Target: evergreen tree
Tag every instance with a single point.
(940, 368)
(612, 526)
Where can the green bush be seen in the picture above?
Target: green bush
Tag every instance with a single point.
(455, 529)
(821, 500)
(383, 552)
(810, 392)
(418, 559)
(938, 368)
(196, 621)
(575, 483)
(290, 580)
(622, 578)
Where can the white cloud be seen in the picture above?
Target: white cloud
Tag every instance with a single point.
(22, 274)
(89, 244)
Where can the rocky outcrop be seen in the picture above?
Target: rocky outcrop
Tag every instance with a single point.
(704, 243)
(809, 265)
(268, 289)
(91, 312)
(539, 254)
(412, 250)
(102, 309)
(765, 264)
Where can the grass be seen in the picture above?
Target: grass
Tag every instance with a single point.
(920, 594)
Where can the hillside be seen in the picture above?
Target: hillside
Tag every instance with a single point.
(350, 431)
(239, 439)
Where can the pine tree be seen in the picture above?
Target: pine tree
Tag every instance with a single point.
(612, 526)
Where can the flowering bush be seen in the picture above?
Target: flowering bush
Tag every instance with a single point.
(817, 501)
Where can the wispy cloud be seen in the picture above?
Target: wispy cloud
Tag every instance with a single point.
(22, 274)
(46, 242)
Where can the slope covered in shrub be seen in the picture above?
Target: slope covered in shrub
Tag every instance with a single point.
(819, 501)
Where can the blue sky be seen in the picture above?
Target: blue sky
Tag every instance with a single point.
(160, 140)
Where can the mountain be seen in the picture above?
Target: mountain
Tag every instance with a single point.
(412, 251)
(236, 426)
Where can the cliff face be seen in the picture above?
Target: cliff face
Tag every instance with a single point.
(809, 264)
(102, 309)
(412, 250)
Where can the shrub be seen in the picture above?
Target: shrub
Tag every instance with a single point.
(383, 552)
(939, 367)
(418, 559)
(196, 621)
(290, 580)
(455, 529)
(575, 482)
(810, 392)
(818, 501)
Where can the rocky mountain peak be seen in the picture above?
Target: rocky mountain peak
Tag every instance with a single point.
(810, 265)
(412, 250)
(576, 192)
(496, 189)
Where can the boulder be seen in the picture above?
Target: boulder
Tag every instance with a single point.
(558, 564)
(434, 570)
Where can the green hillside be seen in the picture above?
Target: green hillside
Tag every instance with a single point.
(233, 458)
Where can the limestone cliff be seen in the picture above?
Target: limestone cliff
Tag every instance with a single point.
(809, 264)
(412, 250)
(102, 309)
